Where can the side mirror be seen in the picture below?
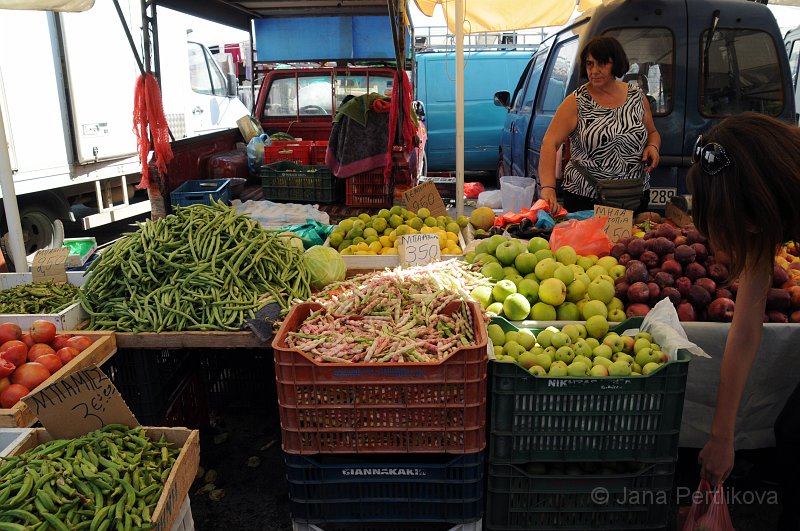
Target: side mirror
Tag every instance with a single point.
(502, 99)
(233, 86)
(419, 108)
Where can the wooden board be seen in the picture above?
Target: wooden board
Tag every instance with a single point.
(160, 340)
(180, 477)
(104, 346)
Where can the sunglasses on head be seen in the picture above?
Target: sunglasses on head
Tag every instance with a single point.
(711, 156)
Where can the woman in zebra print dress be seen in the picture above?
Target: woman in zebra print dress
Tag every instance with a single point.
(610, 129)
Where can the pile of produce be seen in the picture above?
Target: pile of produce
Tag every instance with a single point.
(203, 268)
(534, 282)
(28, 359)
(377, 235)
(391, 316)
(578, 350)
(109, 478)
(38, 297)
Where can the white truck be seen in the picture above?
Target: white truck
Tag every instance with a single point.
(66, 98)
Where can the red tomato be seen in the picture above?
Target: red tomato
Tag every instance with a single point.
(6, 367)
(27, 339)
(60, 341)
(14, 351)
(39, 349)
(4, 382)
(67, 354)
(30, 375)
(79, 342)
(43, 331)
(51, 361)
(9, 331)
(12, 394)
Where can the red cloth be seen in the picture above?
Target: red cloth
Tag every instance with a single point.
(149, 112)
(401, 92)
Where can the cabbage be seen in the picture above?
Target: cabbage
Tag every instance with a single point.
(325, 265)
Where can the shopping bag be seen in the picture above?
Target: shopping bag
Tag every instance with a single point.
(255, 152)
(709, 510)
(586, 236)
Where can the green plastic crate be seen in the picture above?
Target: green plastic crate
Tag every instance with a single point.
(585, 418)
(630, 499)
(287, 181)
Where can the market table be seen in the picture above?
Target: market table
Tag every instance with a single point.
(206, 340)
(775, 374)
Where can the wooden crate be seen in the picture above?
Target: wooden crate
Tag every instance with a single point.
(69, 318)
(104, 346)
(180, 478)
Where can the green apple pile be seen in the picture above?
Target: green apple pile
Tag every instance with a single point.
(578, 350)
(534, 282)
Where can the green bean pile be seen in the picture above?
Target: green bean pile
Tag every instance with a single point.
(203, 268)
(38, 297)
(112, 477)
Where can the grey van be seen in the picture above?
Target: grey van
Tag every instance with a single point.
(697, 60)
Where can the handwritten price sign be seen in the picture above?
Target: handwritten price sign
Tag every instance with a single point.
(50, 264)
(425, 196)
(78, 403)
(619, 224)
(418, 249)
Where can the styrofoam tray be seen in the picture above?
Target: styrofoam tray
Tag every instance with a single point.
(10, 438)
(67, 319)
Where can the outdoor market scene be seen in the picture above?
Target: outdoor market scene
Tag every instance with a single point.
(535, 269)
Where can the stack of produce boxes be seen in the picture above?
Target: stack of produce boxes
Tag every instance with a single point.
(396, 441)
(583, 443)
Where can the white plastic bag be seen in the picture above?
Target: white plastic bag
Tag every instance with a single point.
(663, 324)
(489, 198)
(255, 152)
(516, 192)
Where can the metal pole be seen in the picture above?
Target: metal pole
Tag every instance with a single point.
(459, 25)
(16, 246)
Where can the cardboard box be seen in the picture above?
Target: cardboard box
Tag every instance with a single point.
(69, 318)
(180, 478)
(104, 346)
(80, 249)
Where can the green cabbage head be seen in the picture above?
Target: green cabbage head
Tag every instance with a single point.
(325, 265)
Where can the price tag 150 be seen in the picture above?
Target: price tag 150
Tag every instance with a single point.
(418, 249)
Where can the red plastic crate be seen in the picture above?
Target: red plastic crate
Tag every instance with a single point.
(297, 151)
(369, 190)
(381, 407)
(318, 149)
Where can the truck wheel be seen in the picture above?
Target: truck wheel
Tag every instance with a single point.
(41, 229)
(501, 172)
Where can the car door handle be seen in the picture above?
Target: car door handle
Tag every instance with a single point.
(197, 110)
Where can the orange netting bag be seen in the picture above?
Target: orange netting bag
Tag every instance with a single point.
(149, 112)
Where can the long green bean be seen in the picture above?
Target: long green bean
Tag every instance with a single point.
(203, 268)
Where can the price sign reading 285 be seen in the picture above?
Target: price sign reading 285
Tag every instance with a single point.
(418, 249)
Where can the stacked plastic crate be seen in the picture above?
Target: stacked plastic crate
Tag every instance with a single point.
(383, 445)
(583, 453)
(294, 170)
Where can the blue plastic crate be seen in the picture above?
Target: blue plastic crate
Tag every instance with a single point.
(201, 192)
(421, 488)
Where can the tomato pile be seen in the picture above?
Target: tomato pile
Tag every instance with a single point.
(29, 358)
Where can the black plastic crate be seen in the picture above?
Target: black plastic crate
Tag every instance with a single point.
(388, 489)
(146, 378)
(584, 418)
(240, 378)
(188, 405)
(288, 181)
(639, 496)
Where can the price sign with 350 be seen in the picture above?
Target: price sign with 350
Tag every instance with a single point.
(418, 249)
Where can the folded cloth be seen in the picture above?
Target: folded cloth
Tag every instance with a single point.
(358, 107)
(354, 148)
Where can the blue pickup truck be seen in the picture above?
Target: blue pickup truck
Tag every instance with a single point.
(485, 72)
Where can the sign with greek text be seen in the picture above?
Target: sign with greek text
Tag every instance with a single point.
(619, 224)
(418, 249)
(78, 403)
(425, 196)
(50, 264)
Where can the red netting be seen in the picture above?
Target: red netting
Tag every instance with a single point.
(148, 112)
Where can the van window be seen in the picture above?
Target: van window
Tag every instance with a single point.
(793, 50)
(204, 74)
(743, 74)
(555, 90)
(532, 86)
(651, 54)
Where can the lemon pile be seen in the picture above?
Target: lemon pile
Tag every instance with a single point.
(377, 235)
